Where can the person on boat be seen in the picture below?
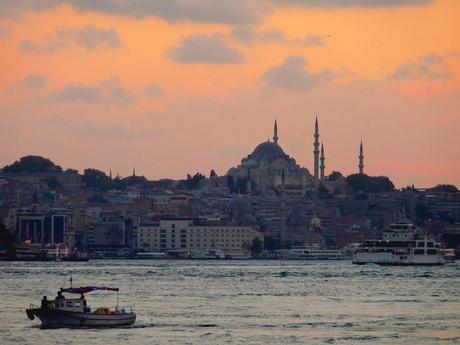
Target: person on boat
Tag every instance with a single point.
(82, 298)
(60, 297)
(45, 301)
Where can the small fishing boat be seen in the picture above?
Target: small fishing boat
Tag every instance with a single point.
(74, 312)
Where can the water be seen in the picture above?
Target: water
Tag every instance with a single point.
(243, 302)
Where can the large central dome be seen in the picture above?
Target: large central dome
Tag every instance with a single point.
(269, 151)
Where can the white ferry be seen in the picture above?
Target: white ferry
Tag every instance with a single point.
(207, 254)
(311, 253)
(150, 255)
(401, 245)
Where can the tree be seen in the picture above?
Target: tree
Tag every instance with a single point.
(97, 198)
(231, 184)
(241, 185)
(32, 164)
(422, 211)
(323, 192)
(7, 241)
(97, 179)
(334, 176)
(271, 243)
(257, 246)
(53, 182)
(369, 184)
(445, 188)
(5, 235)
(212, 173)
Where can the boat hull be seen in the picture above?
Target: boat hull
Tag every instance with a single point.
(54, 318)
(389, 259)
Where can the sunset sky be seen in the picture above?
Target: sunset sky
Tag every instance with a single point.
(175, 87)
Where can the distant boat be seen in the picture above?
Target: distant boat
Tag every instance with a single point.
(76, 256)
(401, 245)
(207, 254)
(310, 253)
(150, 255)
(75, 312)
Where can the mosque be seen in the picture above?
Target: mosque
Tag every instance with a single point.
(269, 167)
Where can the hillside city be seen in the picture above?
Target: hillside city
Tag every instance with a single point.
(266, 203)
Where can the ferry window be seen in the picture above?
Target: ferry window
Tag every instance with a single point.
(420, 244)
(432, 252)
(419, 251)
(429, 244)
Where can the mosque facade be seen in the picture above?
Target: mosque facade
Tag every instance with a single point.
(269, 167)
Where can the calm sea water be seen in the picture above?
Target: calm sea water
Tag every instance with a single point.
(243, 302)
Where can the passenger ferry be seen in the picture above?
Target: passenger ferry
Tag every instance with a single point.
(208, 254)
(311, 253)
(74, 312)
(401, 245)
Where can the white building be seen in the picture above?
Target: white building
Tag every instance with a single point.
(194, 234)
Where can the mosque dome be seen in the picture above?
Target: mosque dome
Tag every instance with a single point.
(269, 151)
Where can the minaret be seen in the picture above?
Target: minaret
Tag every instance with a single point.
(134, 172)
(316, 151)
(361, 159)
(110, 173)
(275, 133)
(322, 166)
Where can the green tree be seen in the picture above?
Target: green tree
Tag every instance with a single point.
(96, 179)
(231, 184)
(369, 184)
(445, 188)
(6, 237)
(53, 182)
(257, 246)
(97, 198)
(32, 164)
(323, 192)
(271, 243)
(334, 176)
(422, 211)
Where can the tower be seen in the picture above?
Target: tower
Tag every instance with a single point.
(322, 166)
(316, 151)
(361, 159)
(275, 133)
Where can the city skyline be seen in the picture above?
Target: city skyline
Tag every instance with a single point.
(188, 90)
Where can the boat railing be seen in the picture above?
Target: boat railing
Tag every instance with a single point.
(124, 309)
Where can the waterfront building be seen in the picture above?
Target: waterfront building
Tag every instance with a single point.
(107, 234)
(41, 226)
(194, 234)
